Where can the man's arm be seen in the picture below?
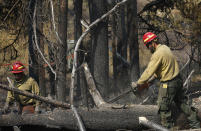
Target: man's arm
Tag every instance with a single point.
(10, 97)
(35, 90)
(150, 70)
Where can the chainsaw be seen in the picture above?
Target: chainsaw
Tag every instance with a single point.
(135, 91)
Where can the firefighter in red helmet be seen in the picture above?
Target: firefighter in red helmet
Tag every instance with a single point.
(25, 83)
(163, 65)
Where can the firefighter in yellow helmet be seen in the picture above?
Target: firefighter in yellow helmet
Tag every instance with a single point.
(24, 83)
(164, 66)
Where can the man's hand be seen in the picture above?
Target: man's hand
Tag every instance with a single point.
(37, 109)
(138, 88)
(134, 86)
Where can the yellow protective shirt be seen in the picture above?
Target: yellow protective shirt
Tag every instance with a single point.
(163, 65)
(27, 84)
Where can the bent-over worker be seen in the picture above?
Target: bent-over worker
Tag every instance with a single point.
(163, 65)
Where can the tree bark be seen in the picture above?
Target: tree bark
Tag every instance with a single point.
(121, 33)
(95, 119)
(61, 51)
(132, 39)
(51, 75)
(81, 92)
(114, 52)
(110, 119)
(33, 62)
(99, 55)
(41, 72)
(52, 56)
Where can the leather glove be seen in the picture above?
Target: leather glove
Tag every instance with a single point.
(37, 109)
(134, 86)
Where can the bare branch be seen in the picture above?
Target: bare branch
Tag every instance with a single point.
(185, 64)
(36, 42)
(144, 121)
(11, 10)
(79, 121)
(185, 85)
(34, 96)
(84, 24)
(79, 42)
(53, 22)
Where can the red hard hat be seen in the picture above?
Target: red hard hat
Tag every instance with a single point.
(17, 67)
(149, 36)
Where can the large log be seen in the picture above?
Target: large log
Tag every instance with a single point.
(96, 119)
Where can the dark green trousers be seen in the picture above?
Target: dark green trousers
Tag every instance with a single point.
(173, 91)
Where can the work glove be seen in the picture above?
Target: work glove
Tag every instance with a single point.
(37, 109)
(138, 88)
(5, 108)
(134, 86)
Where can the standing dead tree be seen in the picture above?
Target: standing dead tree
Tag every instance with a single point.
(61, 50)
(88, 29)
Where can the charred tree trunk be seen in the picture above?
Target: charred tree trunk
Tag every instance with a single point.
(33, 62)
(95, 119)
(52, 82)
(61, 62)
(81, 83)
(41, 73)
(114, 52)
(121, 41)
(132, 39)
(51, 75)
(99, 54)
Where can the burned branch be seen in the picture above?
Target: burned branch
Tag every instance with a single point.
(53, 22)
(40, 98)
(144, 121)
(11, 10)
(36, 42)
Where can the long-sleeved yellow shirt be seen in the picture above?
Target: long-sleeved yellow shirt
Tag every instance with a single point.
(163, 64)
(27, 84)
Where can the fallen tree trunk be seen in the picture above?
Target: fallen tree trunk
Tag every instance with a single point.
(96, 119)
